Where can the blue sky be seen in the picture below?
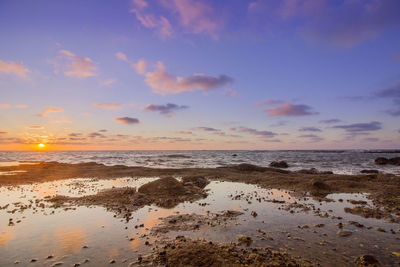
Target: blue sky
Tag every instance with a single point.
(185, 74)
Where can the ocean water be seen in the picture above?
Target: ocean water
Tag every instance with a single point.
(344, 161)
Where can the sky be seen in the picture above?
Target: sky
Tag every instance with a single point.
(186, 74)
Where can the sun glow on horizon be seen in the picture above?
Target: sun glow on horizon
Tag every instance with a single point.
(41, 145)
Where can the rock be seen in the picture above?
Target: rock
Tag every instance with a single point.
(381, 230)
(112, 261)
(381, 161)
(356, 224)
(344, 233)
(34, 260)
(308, 171)
(279, 164)
(385, 161)
(195, 180)
(167, 185)
(254, 214)
(367, 260)
(369, 171)
(234, 155)
(243, 239)
(57, 263)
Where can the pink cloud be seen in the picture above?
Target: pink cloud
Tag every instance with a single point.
(48, 110)
(76, 66)
(107, 105)
(164, 83)
(14, 68)
(289, 109)
(35, 127)
(151, 21)
(196, 16)
(107, 82)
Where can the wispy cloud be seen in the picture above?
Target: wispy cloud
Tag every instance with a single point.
(110, 105)
(184, 16)
(360, 127)
(310, 129)
(281, 108)
(20, 106)
(14, 68)
(149, 20)
(140, 66)
(264, 134)
(330, 121)
(205, 129)
(127, 120)
(230, 92)
(311, 137)
(328, 21)
(393, 93)
(164, 83)
(107, 82)
(167, 109)
(74, 66)
(35, 127)
(196, 17)
(48, 110)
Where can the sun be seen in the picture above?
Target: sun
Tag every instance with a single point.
(41, 145)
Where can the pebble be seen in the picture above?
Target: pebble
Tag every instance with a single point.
(344, 233)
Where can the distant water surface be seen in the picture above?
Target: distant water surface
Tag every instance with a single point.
(345, 161)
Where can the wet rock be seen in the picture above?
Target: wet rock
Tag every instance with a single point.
(369, 171)
(186, 252)
(245, 167)
(243, 239)
(344, 233)
(279, 164)
(198, 181)
(386, 161)
(367, 260)
(356, 224)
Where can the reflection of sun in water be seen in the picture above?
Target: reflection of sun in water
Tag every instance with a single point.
(41, 145)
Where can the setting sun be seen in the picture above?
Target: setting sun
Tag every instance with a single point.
(41, 145)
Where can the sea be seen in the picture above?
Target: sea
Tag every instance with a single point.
(337, 161)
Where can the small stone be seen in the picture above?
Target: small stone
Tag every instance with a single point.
(344, 233)
(34, 260)
(367, 260)
(112, 261)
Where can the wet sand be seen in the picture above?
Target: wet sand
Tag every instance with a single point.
(335, 219)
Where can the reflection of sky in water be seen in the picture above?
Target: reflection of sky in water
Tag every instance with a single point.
(64, 233)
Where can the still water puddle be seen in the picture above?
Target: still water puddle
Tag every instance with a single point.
(94, 235)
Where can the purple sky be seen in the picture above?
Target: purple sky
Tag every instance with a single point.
(185, 74)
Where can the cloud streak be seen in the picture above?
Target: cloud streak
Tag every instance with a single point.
(283, 109)
(167, 109)
(14, 68)
(75, 66)
(164, 83)
(360, 127)
(48, 110)
(110, 105)
(127, 120)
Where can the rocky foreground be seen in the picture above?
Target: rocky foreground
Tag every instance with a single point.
(384, 189)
